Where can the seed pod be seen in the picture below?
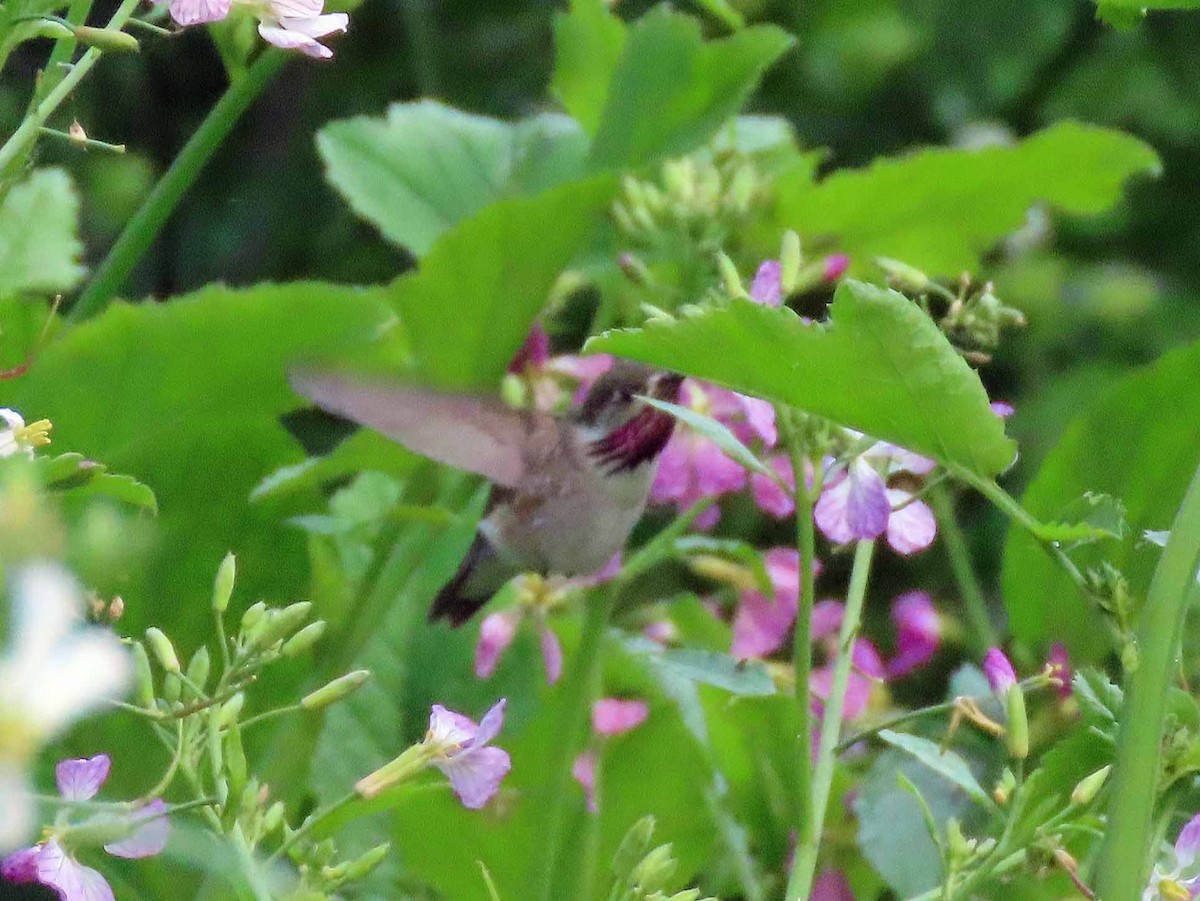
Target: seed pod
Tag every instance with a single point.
(1089, 786)
(145, 678)
(106, 39)
(223, 583)
(339, 688)
(163, 650)
(1017, 736)
(273, 818)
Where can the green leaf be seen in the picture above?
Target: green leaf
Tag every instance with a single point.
(588, 40)
(1139, 5)
(1099, 699)
(946, 763)
(941, 209)
(880, 365)
(469, 307)
(39, 249)
(75, 474)
(716, 432)
(1139, 442)
(1047, 789)
(1093, 517)
(426, 167)
(738, 677)
(671, 90)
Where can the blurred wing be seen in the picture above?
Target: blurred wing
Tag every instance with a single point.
(471, 433)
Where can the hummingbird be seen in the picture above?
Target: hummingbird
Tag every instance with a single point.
(567, 490)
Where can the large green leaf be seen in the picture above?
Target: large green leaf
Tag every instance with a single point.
(940, 209)
(468, 308)
(671, 90)
(425, 167)
(185, 398)
(880, 366)
(588, 40)
(1140, 443)
(39, 250)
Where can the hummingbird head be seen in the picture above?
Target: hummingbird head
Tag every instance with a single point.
(628, 431)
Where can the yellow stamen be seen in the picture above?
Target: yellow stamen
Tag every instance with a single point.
(36, 434)
(1173, 891)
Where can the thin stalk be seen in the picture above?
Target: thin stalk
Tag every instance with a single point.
(15, 148)
(591, 839)
(802, 642)
(983, 631)
(312, 822)
(805, 863)
(1123, 857)
(148, 221)
(577, 693)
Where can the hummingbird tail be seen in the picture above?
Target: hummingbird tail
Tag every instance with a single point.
(472, 586)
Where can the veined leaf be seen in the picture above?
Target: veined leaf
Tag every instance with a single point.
(588, 40)
(945, 763)
(39, 250)
(880, 365)
(73, 472)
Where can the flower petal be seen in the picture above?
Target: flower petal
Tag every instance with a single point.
(79, 779)
(769, 495)
(999, 671)
(912, 525)
(149, 837)
(476, 774)
(197, 12)
(496, 633)
(918, 632)
(552, 655)
(47, 604)
(298, 9)
(86, 669)
(317, 26)
(1187, 845)
(1059, 661)
(831, 885)
(450, 728)
(715, 473)
(613, 716)
(287, 39)
(827, 619)
(73, 880)
(767, 287)
(489, 726)
(855, 506)
(584, 771)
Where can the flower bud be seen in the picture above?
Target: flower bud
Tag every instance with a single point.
(332, 692)
(999, 671)
(199, 667)
(633, 847)
(1004, 787)
(281, 624)
(231, 710)
(273, 818)
(145, 678)
(107, 39)
(729, 276)
(250, 799)
(655, 869)
(957, 844)
(53, 29)
(235, 759)
(634, 269)
(253, 619)
(361, 866)
(216, 755)
(163, 650)
(1017, 736)
(304, 639)
(1085, 792)
(903, 276)
(791, 257)
(223, 583)
(171, 688)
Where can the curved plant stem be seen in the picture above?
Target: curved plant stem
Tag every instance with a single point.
(1123, 857)
(578, 690)
(146, 223)
(805, 864)
(983, 632)
(14, 149)
(802, 642)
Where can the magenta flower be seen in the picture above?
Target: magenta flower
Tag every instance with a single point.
(534, 353)
(857, 505)
(767, 287)
(771, 497)
(918, 632)
(999, 671)
(831, 885)
(1178, 876)
(835, 266)
(866, 670)
(761, 624)
(614, 716)
(496, 633)
(52, 862)
(692, 467)
(474, 768)
(1059, 662)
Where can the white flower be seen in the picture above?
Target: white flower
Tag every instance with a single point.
(18, 438)
(56, 670)
(290, 24)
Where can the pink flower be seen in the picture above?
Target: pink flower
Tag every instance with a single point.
(1059, 662)
(769, 495)
(1178, 876)
(831, 885)
(290, 24)
(52, 865)
(474, 768)
(613, 716)
(584, 771)
(866, 670)
(918, 632)
(835, 266)
(496, 633)
(999, 671)
(1002, 408)
(692, 467)
(762, 624)
(767, 287)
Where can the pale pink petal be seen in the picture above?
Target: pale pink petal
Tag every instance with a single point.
(496, 633)
(608, 571)
(80, 778)
(584, 771)
(73, 881)
(450, 728)
(1060, 668)
(716, 474)
(21, 866)
(999, 671)
(490, 725)
(296, 9)
(673, 477)
(827, 619)
(476, 774)
(287, 39)
(835, 266)
(912, 525)
(760, 417)
(769, 495)
(761, 625)
(150, 835)
(197, 12)
(898, 459)
(854, 506)
(1187, 845)
(317, 26)
(1003, 409)
(767, 287)
(708, 518)
(867, 667)
(613, 716)
(552, 655)
(918, 632)
(831, 885)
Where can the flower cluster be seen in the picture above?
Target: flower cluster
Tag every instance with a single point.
(290, 24)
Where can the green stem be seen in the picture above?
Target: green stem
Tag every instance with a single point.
(578, 692)
(1123, 858)
(18, 144)
(802, 642)
(146, 223)
(983, 632)
(312, 822)
(805, 864)
(591, 839)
